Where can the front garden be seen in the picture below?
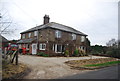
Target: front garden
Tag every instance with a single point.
(92, 63)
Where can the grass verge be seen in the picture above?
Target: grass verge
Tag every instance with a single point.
(102, 64)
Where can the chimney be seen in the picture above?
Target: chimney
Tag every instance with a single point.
(46, 19)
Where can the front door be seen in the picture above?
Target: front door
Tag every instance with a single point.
(34, 48)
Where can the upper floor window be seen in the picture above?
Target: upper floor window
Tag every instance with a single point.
(82, 38)
(73, 36)
(35, 33)
(58, 34)
(29, 35)
(23, 36)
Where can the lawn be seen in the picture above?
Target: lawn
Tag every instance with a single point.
(103, 64)
(92, 63)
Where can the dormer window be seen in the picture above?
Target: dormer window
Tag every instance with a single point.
(58, 34)
(73, 36)
(35, 33)
(29, 35)
(82, 38)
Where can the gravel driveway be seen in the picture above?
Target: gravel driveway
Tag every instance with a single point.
(50, 67)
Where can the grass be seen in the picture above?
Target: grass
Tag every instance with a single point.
(9, 70)
(102, 64)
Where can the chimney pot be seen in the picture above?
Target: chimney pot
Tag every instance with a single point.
(46, 19)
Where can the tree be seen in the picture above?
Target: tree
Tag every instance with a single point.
(112, 43)
(5, 23)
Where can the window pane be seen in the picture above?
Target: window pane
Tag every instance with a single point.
(58, 34)
(82, 38)
(59, 48)
(73, 36)
(29, 35)
(23, 36)
(42, 46)
(35, 33)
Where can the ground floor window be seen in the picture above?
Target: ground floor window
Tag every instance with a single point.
(82, 48)
(42, 46)
(58, 48)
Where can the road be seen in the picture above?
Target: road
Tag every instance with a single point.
(104, 73)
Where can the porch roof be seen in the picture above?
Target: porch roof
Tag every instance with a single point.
(30, 40)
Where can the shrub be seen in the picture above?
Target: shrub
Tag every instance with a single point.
(66, 53)
(76, 52)
(114, 53)
(29, 54)
(42, 54)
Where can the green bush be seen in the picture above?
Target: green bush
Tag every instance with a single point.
(29, 54)
(76, 52)
(66, 53)
(114, 53)
(42, 54)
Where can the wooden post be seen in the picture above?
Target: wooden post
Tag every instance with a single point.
(16, 58)
(14, 54)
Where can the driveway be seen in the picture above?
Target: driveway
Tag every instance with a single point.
(50, 67)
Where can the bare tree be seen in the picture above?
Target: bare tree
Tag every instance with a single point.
(112, 43)
(5, 23)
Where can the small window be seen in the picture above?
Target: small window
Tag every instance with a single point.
(29, 35)
(58, 34)
(82, 38)
(42, 46)
(73, 36)
(23, 36)
(35, 33)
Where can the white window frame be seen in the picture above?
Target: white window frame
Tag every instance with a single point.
(23, 36)
(41, 46)
(29, 35)
(82, 38)
(73, 36)
(58, 34)
(56, 48)
(81, 47)
(35, 33)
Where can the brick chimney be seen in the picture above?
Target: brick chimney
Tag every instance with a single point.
(46, 19)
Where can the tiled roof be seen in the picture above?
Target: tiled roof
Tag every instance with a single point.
(55, 26)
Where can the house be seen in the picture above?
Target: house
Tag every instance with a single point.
(52, 38)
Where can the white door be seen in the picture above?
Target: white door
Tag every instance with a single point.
(34, 48)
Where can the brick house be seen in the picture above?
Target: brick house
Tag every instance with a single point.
(52, 38)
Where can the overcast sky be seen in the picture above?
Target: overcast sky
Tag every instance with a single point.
(96, 18)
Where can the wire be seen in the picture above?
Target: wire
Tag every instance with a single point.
(24, 12)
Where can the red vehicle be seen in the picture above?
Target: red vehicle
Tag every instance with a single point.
(13, 47)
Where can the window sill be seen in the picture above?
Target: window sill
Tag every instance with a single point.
(41, 49)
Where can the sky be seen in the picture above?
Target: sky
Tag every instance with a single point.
(96, 18)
